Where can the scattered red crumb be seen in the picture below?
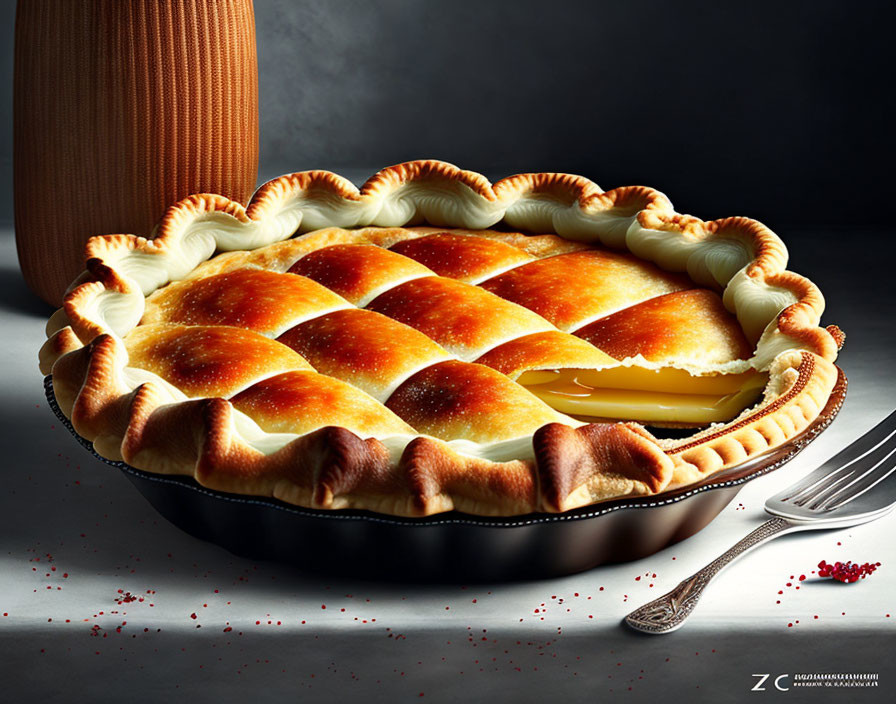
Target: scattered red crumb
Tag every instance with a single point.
(125, 597)
(846, 571)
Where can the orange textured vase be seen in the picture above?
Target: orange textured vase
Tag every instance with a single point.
(121, 109)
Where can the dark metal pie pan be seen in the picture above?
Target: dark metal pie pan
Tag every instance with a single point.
(452, 547)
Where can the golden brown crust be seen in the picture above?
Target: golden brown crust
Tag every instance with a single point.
(837, 335)
(615, 462)
(597, 461)
(426, 170)
(769, 252)
(567, 188)
(462, 257)
(544, 350)
(357, 271)
(552, 287)
(444, 480)
(100, 361)
(300, 402)
(206, 360)
(681, 328)
(798, 321)
(59, 343)
(77, 304)
(90, 392)
(466, 320)
(801, 383)
(272, 194)
(364, 348)
(329, 468)
(536, 246)
(629, 200)
(455, 400)
(275, 257)
(258, 300)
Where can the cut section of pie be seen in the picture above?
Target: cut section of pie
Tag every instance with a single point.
(433, 342)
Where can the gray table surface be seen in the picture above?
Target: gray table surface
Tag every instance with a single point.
(101, 599)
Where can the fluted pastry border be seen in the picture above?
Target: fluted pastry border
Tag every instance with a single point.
(145, 422)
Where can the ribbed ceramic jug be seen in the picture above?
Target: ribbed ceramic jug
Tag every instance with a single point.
(121, 109)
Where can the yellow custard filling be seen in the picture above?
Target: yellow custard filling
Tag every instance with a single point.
(647, 395)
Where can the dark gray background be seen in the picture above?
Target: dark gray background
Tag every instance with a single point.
(777, 110)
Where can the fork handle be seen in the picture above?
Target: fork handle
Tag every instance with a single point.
(669, 611)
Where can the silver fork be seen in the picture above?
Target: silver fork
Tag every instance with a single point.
(836, 495)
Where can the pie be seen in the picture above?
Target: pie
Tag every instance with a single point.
(433, 342)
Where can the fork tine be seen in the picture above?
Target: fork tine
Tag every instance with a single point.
(874, 437)
(841, 482)
(832, 482)
(824, 486)
(808, 490)
(840, 466)
(880, 470)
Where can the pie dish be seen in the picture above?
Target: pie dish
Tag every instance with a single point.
(433, 342)
(451, 547)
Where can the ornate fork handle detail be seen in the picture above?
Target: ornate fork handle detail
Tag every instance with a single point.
(669, 611)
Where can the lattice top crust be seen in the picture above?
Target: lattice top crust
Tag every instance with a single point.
(370, 360)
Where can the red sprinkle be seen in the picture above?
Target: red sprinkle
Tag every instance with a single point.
(847, 572)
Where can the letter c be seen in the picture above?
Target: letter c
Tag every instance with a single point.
(779, 687)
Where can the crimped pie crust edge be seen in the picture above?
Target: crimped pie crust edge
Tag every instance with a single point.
(139, 419)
